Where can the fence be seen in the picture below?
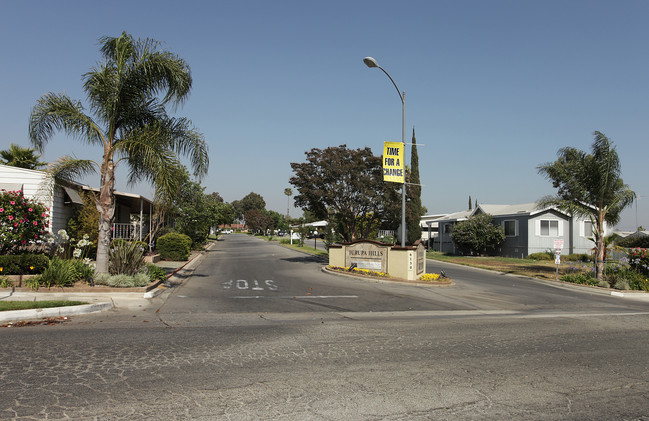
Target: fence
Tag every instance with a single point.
(125, 231)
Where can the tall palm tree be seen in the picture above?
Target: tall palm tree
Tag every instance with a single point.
(288, 192)
(130, 123)
(17, 156)
(589, 186)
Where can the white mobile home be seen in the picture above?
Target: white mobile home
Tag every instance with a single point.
(528, 229)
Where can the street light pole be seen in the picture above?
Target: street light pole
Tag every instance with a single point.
(371, 62)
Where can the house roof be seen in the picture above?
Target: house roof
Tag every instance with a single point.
(530, 209)
(457, 216)
(512, 210)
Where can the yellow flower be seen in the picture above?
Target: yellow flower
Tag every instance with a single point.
(429, 277)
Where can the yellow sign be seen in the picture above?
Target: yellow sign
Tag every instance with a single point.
(393, 162)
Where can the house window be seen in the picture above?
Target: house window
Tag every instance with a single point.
(550, 228)
(510, 228)
(588, 229)
(447, 228)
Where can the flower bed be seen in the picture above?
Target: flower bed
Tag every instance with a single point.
(358, 271)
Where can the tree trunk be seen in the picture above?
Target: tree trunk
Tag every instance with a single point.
(600, 249)
(106, 208)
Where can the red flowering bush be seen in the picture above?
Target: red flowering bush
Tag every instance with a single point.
(639, 260)
(23, 222)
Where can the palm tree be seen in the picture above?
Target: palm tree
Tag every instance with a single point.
(589, 186)
(17, 156)
(130, 123)
(288, 192)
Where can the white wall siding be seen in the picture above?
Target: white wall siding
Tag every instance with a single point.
(540, 243)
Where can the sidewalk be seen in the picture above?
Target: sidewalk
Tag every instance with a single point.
(97, 300)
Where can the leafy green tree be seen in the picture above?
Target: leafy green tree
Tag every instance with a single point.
(17, 156)
(249, 202)
(193, 217)
(478, 234)
(279, 220)
(589, 185)
(127, 93)
(345, 187)
(414, 209)
(258, 221)
(85, 221)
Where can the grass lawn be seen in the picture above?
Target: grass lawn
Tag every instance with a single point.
(545, 269)
(25, 305)
(307, 249)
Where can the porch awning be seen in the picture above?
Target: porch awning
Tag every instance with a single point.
(72, 196)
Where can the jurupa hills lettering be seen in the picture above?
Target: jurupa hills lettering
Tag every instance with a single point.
(368, 253)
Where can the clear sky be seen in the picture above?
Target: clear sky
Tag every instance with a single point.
(493, 87)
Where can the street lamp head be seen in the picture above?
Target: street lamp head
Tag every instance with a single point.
(370, 62)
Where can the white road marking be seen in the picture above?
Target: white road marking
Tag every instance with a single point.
(246, 297)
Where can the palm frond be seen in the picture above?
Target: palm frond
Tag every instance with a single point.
(54, 112)
(69, 169)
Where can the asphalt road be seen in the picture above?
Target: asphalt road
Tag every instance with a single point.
(309, 345)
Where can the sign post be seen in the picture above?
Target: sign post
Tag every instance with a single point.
(558, 246)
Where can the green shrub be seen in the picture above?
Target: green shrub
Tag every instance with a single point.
(82, 270)
(60, 273)
(544, 255)
(580, 278)
(627, 276)
(174, 246)
(5, 282)
(10, 265)
(21, 264)
(122, 281)
(126, 258)
(156, 273)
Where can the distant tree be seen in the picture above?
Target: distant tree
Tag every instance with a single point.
(413, 205)
(478, 234)
(250, 201)
(216, 197)
(288, 192)
(589, 186)
(17, 156)
(258, 221)
(128, 92)
(195, 212)
(470, 202)
(344, 187)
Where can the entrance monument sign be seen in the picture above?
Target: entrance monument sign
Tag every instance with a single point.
(398, 262)
(367, 255)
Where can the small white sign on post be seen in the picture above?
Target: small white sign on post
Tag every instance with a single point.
(558, 246)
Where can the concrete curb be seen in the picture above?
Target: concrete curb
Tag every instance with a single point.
(643, 296)
(40, 313)
(108, 304)
(181, 271)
